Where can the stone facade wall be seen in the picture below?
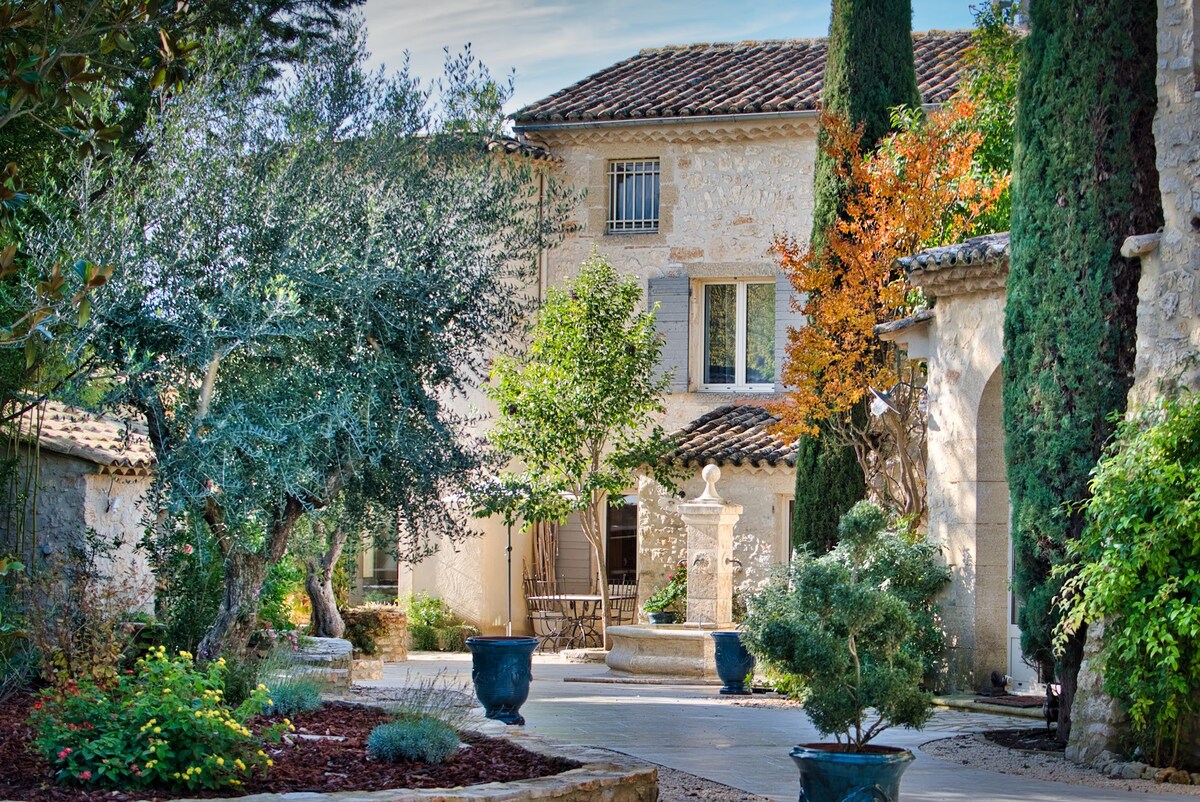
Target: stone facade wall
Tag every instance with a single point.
(1169, 292)
(726, 191)
(968, 510)
(760, 538)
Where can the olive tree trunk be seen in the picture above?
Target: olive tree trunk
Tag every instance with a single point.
(318, 583)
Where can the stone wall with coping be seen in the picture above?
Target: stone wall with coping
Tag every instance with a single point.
(760, 539)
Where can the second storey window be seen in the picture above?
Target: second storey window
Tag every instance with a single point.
(739, 335)
(633, 196)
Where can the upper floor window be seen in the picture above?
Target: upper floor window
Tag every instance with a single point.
(633, 196)
(739, 335)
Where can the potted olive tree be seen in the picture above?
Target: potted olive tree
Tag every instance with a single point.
(835, 623)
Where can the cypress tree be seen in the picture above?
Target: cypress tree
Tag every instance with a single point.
(828, 483)
(869, 70)
(1084, 179)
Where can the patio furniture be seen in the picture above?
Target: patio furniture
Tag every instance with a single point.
(545, 615)
(622, 604)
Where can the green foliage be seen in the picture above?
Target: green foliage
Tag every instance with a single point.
(189, 572)
(828, 483)
(424, 739)
(1084, 179)
(671, 594)
(291, 695)
(423, 609)
(869, 71)
(284, 580)
(992, 69)
(164, 726)
(368, 245)
(433, 626)
(1138, 561)
(836, 626)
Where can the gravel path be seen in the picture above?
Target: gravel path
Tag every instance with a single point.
(979, 753)
(676, 786)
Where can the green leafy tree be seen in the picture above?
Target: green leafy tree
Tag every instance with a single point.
(310, 271)
(576, 410)
(869, 70)
(1083, 180)
(1137, 571)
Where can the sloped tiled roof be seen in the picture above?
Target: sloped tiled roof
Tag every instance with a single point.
(739, 78)
(108, 441)
(733, 435)
(517, 147)
(975, 251)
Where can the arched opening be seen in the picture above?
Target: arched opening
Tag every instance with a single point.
(996, 631)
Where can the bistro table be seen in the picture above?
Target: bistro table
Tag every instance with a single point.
(580, 617)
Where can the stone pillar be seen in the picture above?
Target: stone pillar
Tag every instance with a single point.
(710, 520)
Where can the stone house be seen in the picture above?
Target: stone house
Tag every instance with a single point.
(962, 340)
(693, 159)
(90, 474)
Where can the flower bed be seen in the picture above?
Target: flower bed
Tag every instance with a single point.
(299, 764)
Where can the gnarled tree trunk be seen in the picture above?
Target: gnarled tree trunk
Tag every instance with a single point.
(318, 583)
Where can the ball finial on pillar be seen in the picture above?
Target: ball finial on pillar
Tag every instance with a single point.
(711, 475)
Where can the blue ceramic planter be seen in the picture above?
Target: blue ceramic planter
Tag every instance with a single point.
(733, 662)
(827, 775)
(501, 668)
(663, 617)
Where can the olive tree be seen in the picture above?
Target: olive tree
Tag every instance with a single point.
(310, 271)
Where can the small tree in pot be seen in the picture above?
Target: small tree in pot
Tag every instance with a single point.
(848, 636)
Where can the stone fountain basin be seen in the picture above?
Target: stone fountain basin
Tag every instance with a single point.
(679, 650)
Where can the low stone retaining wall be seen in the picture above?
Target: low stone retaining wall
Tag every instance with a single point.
(604, 777)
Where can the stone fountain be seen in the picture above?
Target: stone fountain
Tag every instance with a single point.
(687, 649)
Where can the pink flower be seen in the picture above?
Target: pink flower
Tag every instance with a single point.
(85, 775)
(63, 754)
(187, 548)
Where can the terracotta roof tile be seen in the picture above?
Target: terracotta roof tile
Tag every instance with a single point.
(733, 435)
(975, 251)
(103, 439)
(738, 78)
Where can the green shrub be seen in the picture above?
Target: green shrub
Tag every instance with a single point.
(424, 637)
(420, 738)
(292, 695)
(671, 594)
(1137, 572)
(844, 634)
(454, 638)
(426, 610)
(284, 579)
(164, 726)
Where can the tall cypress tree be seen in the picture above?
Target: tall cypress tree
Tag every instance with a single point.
(869, 70)
(1084, 179)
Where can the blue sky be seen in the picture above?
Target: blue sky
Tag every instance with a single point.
(553, 43)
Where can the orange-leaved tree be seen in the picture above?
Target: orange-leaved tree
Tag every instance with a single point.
(922, 186)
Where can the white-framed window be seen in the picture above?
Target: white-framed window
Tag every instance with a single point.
(633, 196)
(737, 325)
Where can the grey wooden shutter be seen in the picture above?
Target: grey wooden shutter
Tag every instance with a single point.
(671, 322)
(785, 318)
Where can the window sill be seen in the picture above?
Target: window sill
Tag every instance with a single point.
(745, 389)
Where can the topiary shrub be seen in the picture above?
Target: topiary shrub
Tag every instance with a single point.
(844, 634)
(420, 738)
(1137, 558)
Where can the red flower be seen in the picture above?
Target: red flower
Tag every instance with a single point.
(85, 775)
(63, 754)
(37, 705)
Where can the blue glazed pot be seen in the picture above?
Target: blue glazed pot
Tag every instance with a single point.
(829, 775)
(733, 662)
(501, 668)
(663, 617)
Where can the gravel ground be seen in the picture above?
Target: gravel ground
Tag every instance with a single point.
(979, 753)
(676, 786)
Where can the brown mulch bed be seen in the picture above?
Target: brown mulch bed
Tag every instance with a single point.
(1035, 739)
(324, 766)
(1013, 700)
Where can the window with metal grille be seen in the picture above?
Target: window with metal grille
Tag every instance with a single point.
(633, 196)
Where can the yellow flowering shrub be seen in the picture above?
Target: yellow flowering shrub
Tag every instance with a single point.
(163, 725)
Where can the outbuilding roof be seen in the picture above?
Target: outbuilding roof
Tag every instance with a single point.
(737, 434)
(739, 78)
(978, 264)
(121, 445)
